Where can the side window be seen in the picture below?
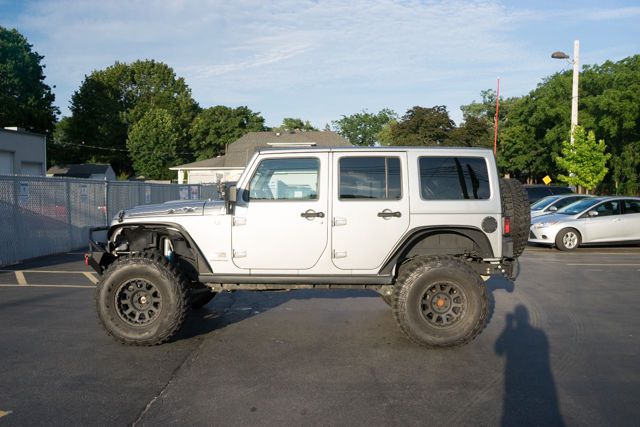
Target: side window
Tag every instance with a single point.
(370, 178)
(454, 178)
(285, 179)
(608, 208)
(632, 207)
(566, 202)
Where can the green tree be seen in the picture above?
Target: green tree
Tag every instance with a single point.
(423, 126)
(473, 132)
(110, 101)
(25, 99)
(154, 144)
(290, 123)
(364, 128)
(215, 128)
(585, 161)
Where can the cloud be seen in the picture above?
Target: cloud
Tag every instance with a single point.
(321, 58)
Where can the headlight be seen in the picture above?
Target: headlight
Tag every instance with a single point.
(545, 224)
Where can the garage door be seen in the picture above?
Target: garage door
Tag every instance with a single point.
(6, 163)
(31, 169)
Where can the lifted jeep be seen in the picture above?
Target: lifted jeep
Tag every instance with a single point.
(421, 226)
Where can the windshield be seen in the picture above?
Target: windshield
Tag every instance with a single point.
(577, 207)
(543, 203)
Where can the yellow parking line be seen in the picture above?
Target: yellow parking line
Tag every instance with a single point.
(20, 278)
(91, 277)
(4, 413)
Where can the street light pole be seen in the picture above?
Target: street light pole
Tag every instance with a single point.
(574, 90)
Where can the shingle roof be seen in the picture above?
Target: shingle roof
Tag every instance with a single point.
(79, 170)
(239, 152)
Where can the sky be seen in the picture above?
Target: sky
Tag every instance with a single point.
(321, 59)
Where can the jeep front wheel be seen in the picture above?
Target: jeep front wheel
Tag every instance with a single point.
(142, 299)
(440, 302)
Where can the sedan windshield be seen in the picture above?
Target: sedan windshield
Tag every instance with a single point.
(577, 207)
(543, 203)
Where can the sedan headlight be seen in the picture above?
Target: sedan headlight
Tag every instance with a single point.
(545, 224)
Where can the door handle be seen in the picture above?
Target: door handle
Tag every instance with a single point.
(387, 213)
(309, 214)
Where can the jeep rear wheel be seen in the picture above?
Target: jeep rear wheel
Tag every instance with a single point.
(515, 205)
(141, 299)
(440, 302)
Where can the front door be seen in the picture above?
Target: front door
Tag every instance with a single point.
(607, 226)
(370, 207)
(280, 221)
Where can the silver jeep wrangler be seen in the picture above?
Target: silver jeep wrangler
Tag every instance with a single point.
(421, 226)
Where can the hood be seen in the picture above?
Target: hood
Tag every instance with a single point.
(176, 207)
(551, 218)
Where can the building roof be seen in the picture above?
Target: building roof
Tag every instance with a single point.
(240, 152)
(79, 170)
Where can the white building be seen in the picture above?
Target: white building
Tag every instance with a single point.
(22, 152)
(230, 166)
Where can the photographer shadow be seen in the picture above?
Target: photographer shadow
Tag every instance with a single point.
(530, 396)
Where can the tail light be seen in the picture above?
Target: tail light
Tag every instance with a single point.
(507, 225)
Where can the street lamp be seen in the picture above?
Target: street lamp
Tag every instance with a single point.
(574, 90)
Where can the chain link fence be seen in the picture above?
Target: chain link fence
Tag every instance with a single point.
(42, 216)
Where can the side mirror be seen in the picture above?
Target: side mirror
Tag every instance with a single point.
(553, 209)
(593, 213)
(230, 198)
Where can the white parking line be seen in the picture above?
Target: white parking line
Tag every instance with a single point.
(609, 265)
(44, 271)
(46, 286)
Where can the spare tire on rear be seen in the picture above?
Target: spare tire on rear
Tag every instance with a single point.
(515, 205)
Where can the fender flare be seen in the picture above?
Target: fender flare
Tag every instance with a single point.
(202, 265)
(416, 234)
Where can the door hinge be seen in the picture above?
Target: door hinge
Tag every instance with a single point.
(238, 220)
(337, 254)
(239, 254)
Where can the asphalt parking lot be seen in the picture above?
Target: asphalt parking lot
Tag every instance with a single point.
(562, 348)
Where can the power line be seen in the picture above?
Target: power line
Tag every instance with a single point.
(83, 145)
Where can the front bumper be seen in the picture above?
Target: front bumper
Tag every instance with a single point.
(97, 257)
(543, 236)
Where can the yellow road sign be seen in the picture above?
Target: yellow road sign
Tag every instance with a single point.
(546, 179)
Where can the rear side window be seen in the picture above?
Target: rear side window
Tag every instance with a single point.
(632, 206)
(370, 178)
(454, 178)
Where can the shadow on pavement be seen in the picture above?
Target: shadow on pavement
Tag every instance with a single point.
(530, 396)
(233, 307)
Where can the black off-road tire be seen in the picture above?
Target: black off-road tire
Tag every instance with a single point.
(515, 205)
(414, 291)
(129, 318)
(568, 239)
(199, 297)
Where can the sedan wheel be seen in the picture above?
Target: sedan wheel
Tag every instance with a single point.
(568, 240)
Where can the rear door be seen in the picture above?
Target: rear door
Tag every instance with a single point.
(370, 207)
(631, 218)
